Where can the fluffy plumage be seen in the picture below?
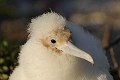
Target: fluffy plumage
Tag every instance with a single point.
(43, 59)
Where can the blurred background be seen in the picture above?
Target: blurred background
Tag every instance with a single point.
(100, 17)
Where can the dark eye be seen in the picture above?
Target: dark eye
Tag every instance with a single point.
(53, 41)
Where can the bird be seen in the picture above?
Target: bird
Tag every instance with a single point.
(58, 49)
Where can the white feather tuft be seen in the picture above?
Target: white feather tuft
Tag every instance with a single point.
(44, 23)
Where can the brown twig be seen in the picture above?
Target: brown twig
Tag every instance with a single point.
(105, 42)
(106, 35)
(114, 61)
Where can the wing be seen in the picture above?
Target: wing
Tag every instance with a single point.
(87, 42)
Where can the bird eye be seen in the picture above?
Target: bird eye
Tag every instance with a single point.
(53, 41)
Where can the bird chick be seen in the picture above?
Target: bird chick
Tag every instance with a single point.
(50, 54)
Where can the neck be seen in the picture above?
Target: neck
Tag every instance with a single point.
(34, 59)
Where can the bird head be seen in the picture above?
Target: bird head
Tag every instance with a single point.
(50, 29)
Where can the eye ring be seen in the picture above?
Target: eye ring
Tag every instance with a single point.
(53, 41)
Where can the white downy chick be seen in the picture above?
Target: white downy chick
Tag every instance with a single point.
(51, 54)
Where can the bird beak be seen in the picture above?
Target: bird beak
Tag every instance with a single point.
(69, 48)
